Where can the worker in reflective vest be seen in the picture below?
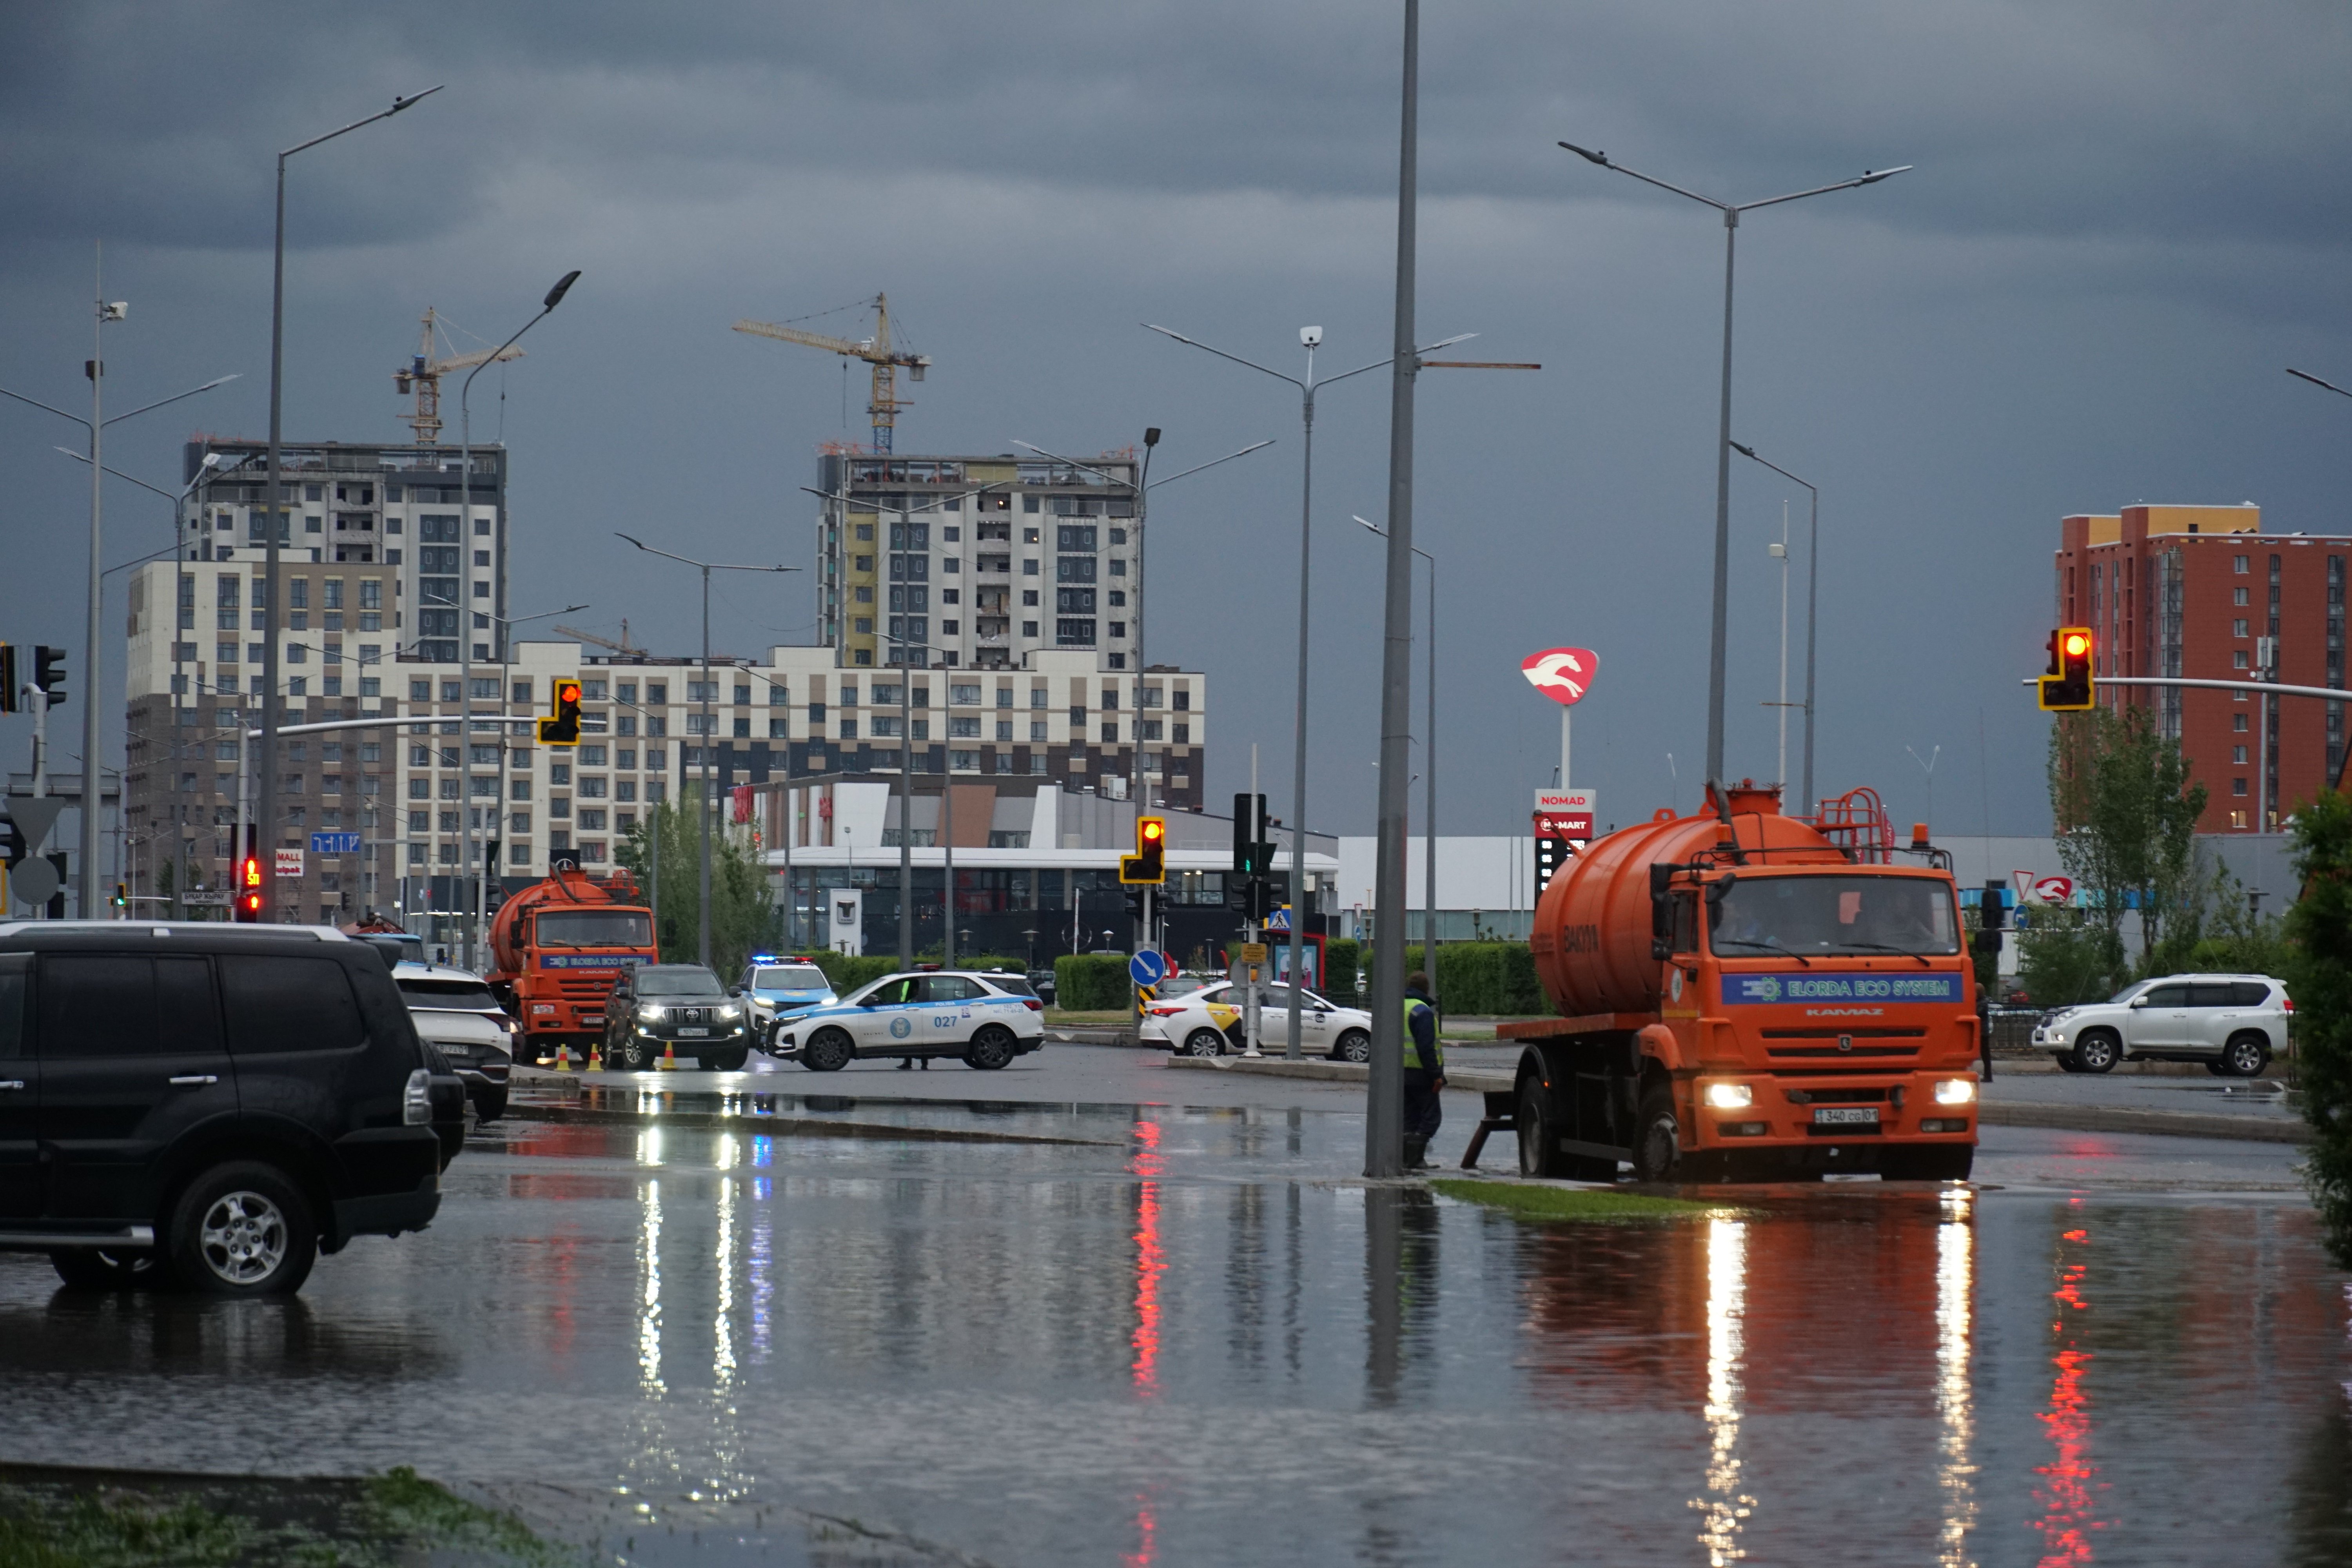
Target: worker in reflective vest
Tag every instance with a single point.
(1424, 1072)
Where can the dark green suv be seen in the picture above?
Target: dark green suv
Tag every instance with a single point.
(676, 1010)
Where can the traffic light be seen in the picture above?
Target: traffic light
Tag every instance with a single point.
(12, 847)
(1149, 864)
(49, 671)
(1253, 854)
(563, 727)
(8, 704)
(2068, 687)
(121, 895)
(248, 881)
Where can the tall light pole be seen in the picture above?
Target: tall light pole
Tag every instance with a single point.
(85, 886)
(278, 513)
(2344, 749)
(709, 735)
(476, 872)
(1309, 338)
(1429, 777)
(1731, 211)
(1812, 608)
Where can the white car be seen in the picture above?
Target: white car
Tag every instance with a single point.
(987, 1019)
(1208, 1022)
(455, 1010)
(2235, 1024)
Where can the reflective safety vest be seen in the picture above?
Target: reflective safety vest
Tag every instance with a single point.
(1412, 1048)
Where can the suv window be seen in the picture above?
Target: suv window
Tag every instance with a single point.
(1013, 986)
(2166, 997)
(949, 988)
(123, 1005)
(465, 995)
(2216, 995)
(892, 992)
(290, 1004)
(2249, 993)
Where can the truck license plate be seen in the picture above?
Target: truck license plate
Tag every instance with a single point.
(1873, 1115)
(593, 1020)
(1845, 1116)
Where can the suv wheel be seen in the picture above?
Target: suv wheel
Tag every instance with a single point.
(98, 1270)
(1355, 1046)
(991, 1048)
(828, 1051)
(243, 1229)
(632, 1054)
(2245, 1056)
(2096, 1051)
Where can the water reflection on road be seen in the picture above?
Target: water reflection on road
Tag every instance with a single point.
(1187, 1343)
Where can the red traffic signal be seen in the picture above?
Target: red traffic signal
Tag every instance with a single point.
(1149, 864)
(248, 887)
(563, 727)
(2069, 686)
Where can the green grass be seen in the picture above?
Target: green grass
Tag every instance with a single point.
(1569, 1203)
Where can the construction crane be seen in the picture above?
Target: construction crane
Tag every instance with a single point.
(874, 350)
(422, 376)
(621, 646)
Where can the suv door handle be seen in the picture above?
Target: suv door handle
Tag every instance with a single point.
(195, 1080)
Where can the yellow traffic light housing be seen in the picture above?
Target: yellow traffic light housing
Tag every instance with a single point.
(1149, 864)
(2069, 686)
(561, 728)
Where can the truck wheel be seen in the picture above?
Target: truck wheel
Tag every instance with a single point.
(2097, 1051)
(2245, 1056)
(1657, 1142)
(1933, 1162)
(243, 1229)
(828, 1051)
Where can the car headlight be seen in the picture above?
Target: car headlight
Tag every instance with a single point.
(732, 1010)
(651, 1012)
(1956, 1091)
(1730, 1095)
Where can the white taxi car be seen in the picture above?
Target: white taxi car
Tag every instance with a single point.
(985, 1018)
(1208, 1022)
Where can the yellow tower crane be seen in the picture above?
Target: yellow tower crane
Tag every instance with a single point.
(422, 376)
(874, 350)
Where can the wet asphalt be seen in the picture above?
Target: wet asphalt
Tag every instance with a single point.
(1169, 1327)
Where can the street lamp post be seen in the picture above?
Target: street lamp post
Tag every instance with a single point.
(1812, 608)
(475, 872)
(1428, 774)
(1309, 338)
(709, 729)
(277, 512)
(1731, 211)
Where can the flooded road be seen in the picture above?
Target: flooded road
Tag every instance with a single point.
(1182, 1336)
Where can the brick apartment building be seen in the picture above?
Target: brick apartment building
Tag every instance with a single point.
(2187, 591)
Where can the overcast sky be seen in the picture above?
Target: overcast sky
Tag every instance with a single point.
(2125, 220)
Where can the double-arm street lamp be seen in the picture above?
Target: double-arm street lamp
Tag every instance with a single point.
(708, 736)
(1309, 338)
(278, 516)
(476, 872)
(1731, 211)
(1812, 610)
(1429, 776)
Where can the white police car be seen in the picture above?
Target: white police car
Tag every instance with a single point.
(985, 1018)
(773, 986)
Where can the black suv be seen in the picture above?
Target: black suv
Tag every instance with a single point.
(667, 1008)
(211, 1104)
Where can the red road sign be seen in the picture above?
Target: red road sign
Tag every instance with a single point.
(1562, 674)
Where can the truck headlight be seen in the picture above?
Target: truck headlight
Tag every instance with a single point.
(1730, 1095)
(1956, 1091)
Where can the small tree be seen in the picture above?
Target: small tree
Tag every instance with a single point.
(743, 918)
(2126, 813)
(2319, 977)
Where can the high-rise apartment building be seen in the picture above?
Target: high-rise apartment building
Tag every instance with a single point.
(976, 563)
(2193, 591)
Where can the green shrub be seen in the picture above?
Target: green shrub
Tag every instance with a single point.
(848, 974)
(2064, 957)
(1091, 983)
(1342, 955)
(2319, 977)
(1483, 978)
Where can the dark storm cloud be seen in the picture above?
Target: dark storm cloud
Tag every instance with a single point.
(2125, 217)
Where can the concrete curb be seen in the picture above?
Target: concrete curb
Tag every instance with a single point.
(1998, 1113)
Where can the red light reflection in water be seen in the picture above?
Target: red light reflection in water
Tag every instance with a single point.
(1150, 1262)
(1147, 1530)
(2067, 1524)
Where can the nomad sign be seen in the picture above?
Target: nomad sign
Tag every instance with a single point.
(1802, 987)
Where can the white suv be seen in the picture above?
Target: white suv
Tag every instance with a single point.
(2233, 1023)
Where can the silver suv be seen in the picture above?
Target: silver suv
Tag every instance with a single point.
(2235, 1024)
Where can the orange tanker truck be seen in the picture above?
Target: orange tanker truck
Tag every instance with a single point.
(557, 947)
(1746, 996)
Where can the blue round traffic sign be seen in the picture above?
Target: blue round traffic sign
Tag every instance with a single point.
(1148, 967)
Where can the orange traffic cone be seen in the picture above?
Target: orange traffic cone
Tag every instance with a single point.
(564, 1057)
(669, 1057)
(596, 1056)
